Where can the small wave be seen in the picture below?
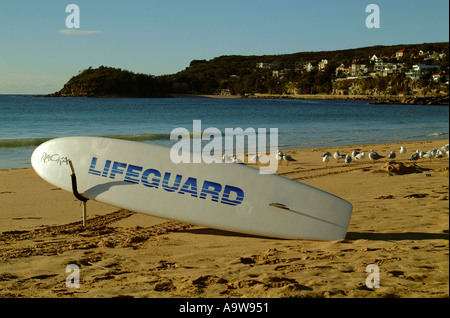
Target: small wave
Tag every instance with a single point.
(140, 137)
(436, 134)
(34, 142)
(22, 142)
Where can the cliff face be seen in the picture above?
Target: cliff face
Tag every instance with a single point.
(111, 82)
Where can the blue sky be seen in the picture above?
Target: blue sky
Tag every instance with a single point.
(162, 37)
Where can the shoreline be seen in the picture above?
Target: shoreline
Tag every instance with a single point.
(439, 100)
(399, 223)
(435, 100)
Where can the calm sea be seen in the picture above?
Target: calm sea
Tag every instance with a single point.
(27, 121)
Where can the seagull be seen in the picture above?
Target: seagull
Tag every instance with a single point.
(402, 150)
(433, 152)
(279, 155)
(227, 158)
(355, 153)
(428, 155)
(288, 158)
(254, 158)
(440, 154)
(337, 155)
(237, 160)
(360, 156)
(392, 155)
(414, 156)
(348, 159)
(445, 147)
(327, 153)
(421, 153)
(325, 159)
(373, 155)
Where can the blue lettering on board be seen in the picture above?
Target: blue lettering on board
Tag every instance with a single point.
(153, 178)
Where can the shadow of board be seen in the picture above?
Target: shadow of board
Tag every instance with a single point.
(417, 236)
(353, 236)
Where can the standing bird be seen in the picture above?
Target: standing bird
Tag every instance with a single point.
(227, 158)
(326, 159)
(428, 155)
(402, 150)
(348, 159)
(373, 155)
(288, 158)
(440, 154)
(327, 153)
(360, 156)
(355, 153)
(337, 155)
(279, 155)
(415, 156)
(392, 155)
(254, 159)
(237, 160)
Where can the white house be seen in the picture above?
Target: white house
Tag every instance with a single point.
(419, 70)
(323, 64)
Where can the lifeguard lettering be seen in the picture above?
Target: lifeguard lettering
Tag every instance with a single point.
(176, 183)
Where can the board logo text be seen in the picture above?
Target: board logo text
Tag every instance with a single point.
(168, 181)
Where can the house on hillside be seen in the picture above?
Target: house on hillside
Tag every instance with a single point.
(312, 65)
(399, 54)
(420, 70)
(262, 65)
(373, 58)
(343, 70)
(437, 76)
(322, 64)
(385, 66)
(359, 68)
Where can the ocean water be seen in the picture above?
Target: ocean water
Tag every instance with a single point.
(27, 121)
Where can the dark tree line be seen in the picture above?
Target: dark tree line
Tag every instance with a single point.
(237, 74)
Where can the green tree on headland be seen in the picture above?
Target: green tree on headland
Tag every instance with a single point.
(298, 73)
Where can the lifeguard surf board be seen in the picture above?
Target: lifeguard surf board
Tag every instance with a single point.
(228, 196)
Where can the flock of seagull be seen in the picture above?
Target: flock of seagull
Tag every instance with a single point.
(254, 158)
(373, 155)
(354, 156)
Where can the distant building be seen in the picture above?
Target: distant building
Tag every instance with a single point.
(343, 70)
(322, 65)
(399, 54)
(374, 58)
(420, 70)
(359, 68)
(312, 65)
(262, 65)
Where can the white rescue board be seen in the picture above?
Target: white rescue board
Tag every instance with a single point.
(142, 178)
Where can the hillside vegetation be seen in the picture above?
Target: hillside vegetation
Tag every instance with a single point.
(296, 73)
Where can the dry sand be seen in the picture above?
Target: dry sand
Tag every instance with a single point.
(399, 223)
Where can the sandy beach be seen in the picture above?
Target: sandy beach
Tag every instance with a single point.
(400, 223)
